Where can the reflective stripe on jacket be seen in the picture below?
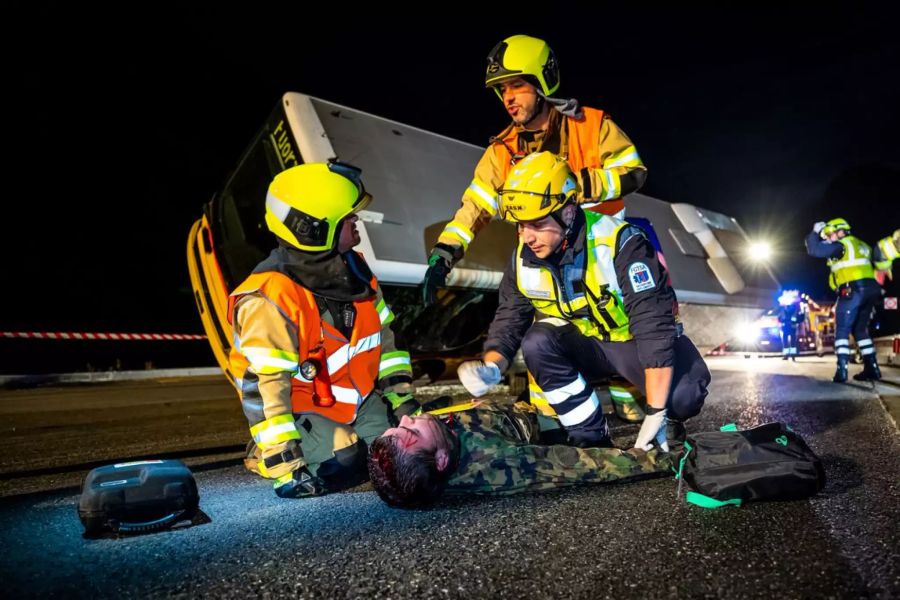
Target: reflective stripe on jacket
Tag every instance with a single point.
(889, 252)
(601, 294)
(582, 150)
(599, 153)
(352, 365)
(855, 264)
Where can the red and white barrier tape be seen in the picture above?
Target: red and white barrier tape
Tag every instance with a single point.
(64, 335)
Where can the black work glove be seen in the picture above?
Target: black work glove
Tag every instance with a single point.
(402, 404)
(440, 262)
(302, 484)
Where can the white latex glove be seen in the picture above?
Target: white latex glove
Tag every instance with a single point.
(478, 376)
(818, 227)
(653, 428)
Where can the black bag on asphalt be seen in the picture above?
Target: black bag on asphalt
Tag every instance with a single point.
(729, 467)
(137, 497)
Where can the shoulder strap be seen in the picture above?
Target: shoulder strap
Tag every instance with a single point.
(695, 497)
(707, 502)
(322, 305)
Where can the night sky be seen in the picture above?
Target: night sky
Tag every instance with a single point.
(117, 138)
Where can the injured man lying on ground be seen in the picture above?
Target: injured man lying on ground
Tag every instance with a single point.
(481, 448)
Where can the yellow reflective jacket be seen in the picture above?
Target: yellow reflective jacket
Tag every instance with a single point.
(598, 152)
(853, 265)
(603, 296)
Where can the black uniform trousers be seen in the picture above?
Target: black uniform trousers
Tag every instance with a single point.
(853, 313)
(565, 364)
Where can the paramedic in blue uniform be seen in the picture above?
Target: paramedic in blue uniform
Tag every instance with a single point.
(790, 314)
(586, 297)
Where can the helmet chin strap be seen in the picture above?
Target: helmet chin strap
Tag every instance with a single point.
(567, 229)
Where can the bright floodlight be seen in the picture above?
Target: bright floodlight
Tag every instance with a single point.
(760, 251)
(747, 332)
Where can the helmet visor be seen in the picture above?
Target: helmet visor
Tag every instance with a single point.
(354, 174)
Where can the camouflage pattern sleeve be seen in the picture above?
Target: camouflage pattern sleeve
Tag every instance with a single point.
(494, 462)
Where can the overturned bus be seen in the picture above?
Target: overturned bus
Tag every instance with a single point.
(416, 178)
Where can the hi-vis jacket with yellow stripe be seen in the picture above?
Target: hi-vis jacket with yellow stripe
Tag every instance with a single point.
(854, 264)
(277, 326)
(889, 248)
(599, 153)
(606, 317)
(638, 297)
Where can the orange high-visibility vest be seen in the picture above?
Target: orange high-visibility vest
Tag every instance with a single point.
(351, 364)
(583, 151)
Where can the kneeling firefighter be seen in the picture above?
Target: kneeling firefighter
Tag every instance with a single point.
(315, 356)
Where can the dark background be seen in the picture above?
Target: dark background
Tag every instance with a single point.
(120, 124)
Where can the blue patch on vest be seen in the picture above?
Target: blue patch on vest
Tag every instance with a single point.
(640, 277)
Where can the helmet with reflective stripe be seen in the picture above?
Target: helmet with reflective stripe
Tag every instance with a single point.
(538, 185)
(835, 225)
(307, 203)
(523, 56)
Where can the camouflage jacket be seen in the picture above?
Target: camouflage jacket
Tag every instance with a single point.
(500, 453)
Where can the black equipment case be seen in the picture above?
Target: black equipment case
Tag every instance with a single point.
(729, 467)
(137, 497)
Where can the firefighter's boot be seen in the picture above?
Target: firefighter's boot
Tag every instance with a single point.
(675, 431)
(871, 371)
(840, 376)
(625, 405)
(252, 457)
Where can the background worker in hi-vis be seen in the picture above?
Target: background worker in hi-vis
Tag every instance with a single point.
(853, 278)
(790, 315)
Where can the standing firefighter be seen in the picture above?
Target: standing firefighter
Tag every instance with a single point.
(853, 278)
(523, 72)
(314, 353)
(586, 297)
(790, 314)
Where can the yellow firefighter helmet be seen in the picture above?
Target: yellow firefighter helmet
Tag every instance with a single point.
(523, 56)
(307, 203)
(835, 225)
(539, 185)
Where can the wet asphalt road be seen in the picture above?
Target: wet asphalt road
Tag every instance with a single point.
(612, 541)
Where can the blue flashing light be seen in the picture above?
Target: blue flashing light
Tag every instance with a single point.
(788, 297)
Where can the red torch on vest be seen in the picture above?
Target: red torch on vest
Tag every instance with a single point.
(315, 367)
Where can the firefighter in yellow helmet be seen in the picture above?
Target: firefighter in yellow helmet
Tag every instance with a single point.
(524, 73)
(586, 298)
(313, 350)
(853, 278)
